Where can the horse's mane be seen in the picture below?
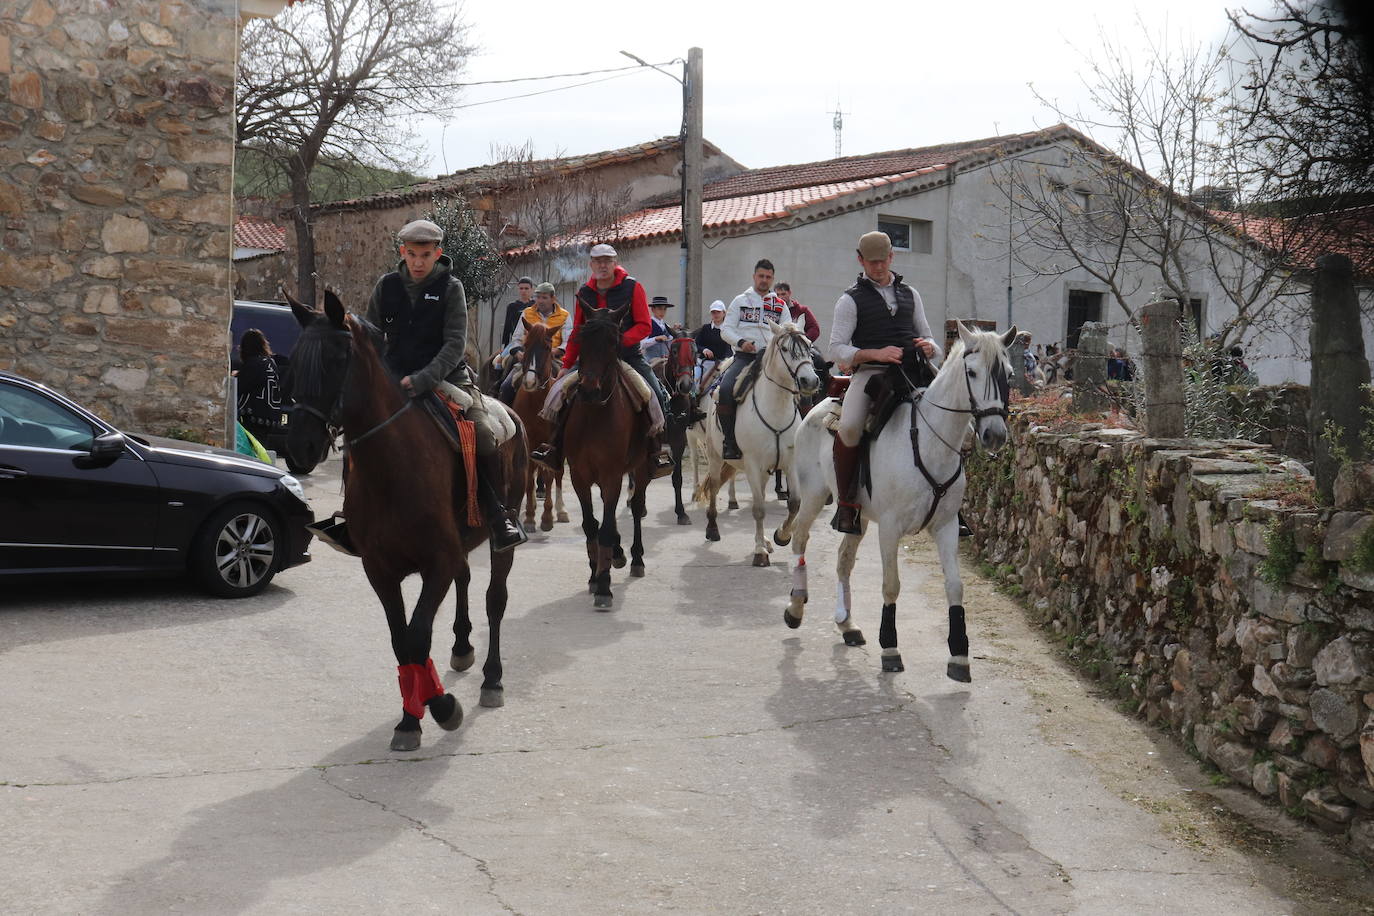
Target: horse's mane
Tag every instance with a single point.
(536, 335)
(986, 343)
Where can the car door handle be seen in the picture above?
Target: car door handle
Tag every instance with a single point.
(9, 473)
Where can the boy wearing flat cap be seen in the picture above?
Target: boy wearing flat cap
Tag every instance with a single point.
(876, 320)
(422, 310)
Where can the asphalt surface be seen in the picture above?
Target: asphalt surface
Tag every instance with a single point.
(168, 752)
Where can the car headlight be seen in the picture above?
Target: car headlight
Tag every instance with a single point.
(294, 487)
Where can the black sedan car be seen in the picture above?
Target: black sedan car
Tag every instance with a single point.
(79, 496)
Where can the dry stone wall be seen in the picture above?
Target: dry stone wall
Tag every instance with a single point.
(115, 203)
(1245, 627)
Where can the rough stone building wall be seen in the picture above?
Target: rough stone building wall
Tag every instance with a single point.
(260, 278)
(1245, 627)
(115, 203)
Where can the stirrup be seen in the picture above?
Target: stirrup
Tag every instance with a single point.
(506, 532)
(846, 520)
(545, 455)
(662, 465)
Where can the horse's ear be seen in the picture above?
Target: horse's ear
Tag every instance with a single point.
(617, 314)
(773, 326)
(965, 333)
(526, 324)
(1009, 337)
(334, 308)
(304, 314)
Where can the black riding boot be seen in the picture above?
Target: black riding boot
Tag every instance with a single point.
(729, 449)
(505, 529)
(550, 454)
(846, 520)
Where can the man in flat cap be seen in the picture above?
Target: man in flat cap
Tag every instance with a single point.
(876, 321)
(610, 286)
(422, 310)
(545, 311)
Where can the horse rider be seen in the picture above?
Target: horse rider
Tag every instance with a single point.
(876, 319)
(609, 287)
(745, 328)
(524, 288)
(711, 347)
(545, 311)
(800, 314)
(422, 310)
(655, 343)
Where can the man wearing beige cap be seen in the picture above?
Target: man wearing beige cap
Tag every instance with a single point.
(876, 320)
(422, 310)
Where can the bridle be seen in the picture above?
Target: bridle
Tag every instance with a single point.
(998, 374)
(790, 341)
(333, 424)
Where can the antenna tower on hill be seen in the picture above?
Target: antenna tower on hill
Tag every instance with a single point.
(838, 124)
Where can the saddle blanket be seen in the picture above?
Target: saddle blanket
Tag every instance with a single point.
(639, 390)
(494, 419)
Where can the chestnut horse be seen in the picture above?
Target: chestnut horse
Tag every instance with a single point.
(606, 436)
(677, 373)
(535, 373)
(405, 504)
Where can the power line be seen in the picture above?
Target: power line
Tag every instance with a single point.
(528, 95)
(555, 76)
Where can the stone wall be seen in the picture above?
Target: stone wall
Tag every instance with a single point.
(261, 278)
(115, 197)
(1245, 627)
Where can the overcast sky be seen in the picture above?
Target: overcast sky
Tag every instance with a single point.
(905, 74)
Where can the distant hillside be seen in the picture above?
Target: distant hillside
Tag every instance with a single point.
(255, 177)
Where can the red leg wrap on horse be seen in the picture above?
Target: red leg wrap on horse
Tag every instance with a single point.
(419, 684)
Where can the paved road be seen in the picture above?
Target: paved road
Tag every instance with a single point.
(164, 752)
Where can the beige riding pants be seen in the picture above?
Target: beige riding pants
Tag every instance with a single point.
(854, 410)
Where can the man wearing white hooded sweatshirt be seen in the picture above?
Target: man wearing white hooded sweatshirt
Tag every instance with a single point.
(745, 328)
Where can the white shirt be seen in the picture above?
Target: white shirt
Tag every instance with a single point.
(744, 319)
(847, 318)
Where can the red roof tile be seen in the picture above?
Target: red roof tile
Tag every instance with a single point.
(1301, 240)
(252, 232)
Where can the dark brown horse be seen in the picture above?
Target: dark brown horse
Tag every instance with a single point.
(405, 503)
(606, 437)
(677, 373)
(533, 377)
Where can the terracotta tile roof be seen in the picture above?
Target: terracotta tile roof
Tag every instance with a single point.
(252, 232)
(1304, 239)
(495, 176)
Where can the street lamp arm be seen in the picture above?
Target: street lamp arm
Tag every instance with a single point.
(644, 63)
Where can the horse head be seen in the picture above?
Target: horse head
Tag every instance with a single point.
(792, 348)
(986, 368)
(682, 361)
(599, 337)
(537, 359)
(315, 378)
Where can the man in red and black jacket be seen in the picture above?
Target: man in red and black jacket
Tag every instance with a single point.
(610, 286)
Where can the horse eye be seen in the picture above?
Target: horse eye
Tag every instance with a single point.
(972, 373)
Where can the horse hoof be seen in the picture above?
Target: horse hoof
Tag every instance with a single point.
(712, 534)
(405, 741)
(761, 559)
(603, 602)
(546, 526)
(562, 517)
(462, 662)
(732, 504)
(792, 622)
(854, 638)
(618, 562)
(447, 711)
(893, 663)
(637, 571)
(957, 672)
(779, 539)
(683, 520)
(493, 697)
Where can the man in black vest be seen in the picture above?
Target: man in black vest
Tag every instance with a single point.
(875, 320)
(422, 310)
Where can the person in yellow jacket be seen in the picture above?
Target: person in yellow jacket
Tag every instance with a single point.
(550, 314)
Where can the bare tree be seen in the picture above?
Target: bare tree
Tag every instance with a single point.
(1158, 208)
(330, 82)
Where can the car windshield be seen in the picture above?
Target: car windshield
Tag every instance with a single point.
(27, 418)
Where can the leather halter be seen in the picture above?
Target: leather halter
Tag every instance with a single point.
(795, 392)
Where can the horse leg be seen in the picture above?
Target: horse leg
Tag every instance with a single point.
(946, 539)
(778, 489)
(419, 682)
(493, 693)
(463, 654)
(758, 490)
(733, 502)
(607, 540)
(388, 590)
(678, 507)
(560, 513)
(712, 485)
(638, 510)
(801, 518)
(888, 540)
(844, 565)
(590, 527)
(531, 471)
(546, 518)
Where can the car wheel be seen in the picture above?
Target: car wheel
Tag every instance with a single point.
(237, 552)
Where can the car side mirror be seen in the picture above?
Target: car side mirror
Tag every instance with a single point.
(105, 450)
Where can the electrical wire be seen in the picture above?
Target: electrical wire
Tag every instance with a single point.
(555, 76)
(528, 95)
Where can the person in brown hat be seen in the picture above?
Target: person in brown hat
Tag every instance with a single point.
(422, 310)
(876, 320)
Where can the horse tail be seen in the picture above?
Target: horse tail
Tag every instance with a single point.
(712, 482)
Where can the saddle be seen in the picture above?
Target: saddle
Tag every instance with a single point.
(747, 379)
(886, 390)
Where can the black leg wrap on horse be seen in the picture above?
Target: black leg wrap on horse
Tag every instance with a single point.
(887, 633)
(958, 635)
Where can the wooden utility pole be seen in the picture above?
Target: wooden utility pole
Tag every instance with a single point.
(692, 160)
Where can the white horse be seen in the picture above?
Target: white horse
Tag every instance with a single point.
(765, 424)
(917, 483)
